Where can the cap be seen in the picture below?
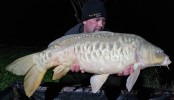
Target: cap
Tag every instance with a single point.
(93, 9)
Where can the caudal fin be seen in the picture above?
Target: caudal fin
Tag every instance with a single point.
(34, 75)
(32, 80)
(22, 65)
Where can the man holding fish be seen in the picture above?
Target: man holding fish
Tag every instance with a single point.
(95, 51)
(93, 19)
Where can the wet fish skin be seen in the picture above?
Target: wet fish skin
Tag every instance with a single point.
(102, 53)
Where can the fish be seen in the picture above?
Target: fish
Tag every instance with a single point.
(102, 53)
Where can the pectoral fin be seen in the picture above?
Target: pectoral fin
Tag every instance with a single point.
(132, 79)
(97, 81)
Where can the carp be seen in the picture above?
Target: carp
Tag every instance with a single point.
(101, 53)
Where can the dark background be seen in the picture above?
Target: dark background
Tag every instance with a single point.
(37, 23)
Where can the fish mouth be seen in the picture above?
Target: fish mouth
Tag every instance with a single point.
(166, 61)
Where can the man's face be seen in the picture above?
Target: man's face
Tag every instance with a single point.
(94, 24)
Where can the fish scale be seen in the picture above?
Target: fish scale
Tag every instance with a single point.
(101, 53)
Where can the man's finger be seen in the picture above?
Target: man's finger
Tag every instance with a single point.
(77, 68)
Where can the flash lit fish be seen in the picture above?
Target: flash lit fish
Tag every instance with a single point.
(102, 53)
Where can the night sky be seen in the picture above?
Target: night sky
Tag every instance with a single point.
(37, 23)
(34, 22)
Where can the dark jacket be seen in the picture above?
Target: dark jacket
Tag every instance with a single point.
(77, 29)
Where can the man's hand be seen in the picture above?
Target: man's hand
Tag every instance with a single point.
(76, 68)
(129, 70)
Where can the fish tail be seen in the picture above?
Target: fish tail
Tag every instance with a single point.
(22, 65)
(30, 66)
(32, 80)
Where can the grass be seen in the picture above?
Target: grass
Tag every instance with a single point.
(8, 54)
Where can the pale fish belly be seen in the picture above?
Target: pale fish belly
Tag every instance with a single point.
(105, 57)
